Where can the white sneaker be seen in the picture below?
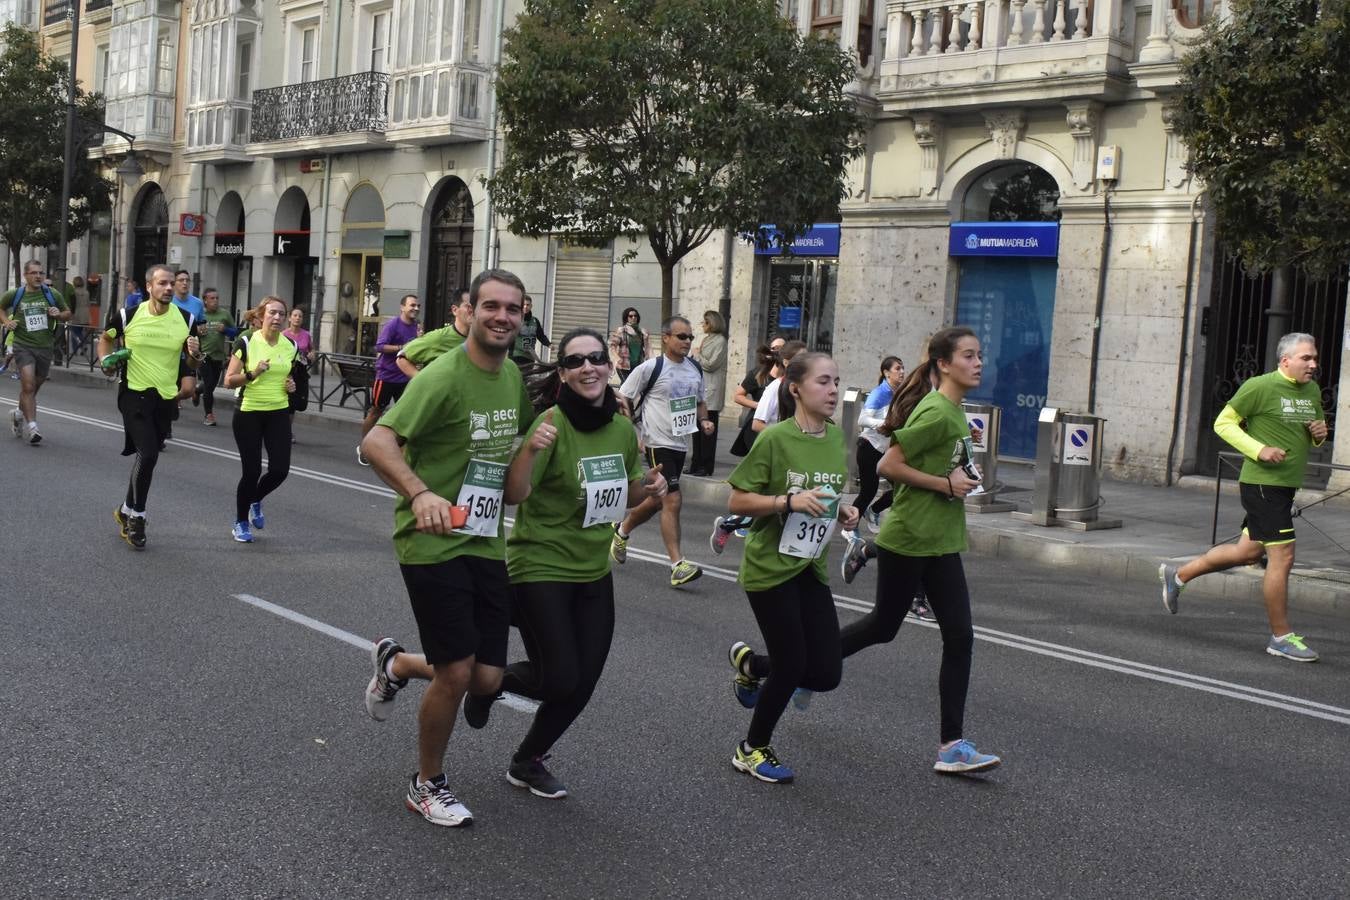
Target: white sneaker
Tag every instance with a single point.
(16, 422)
(436, 803)
(361, 457)
(34, 437)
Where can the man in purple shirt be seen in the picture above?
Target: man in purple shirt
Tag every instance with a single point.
(389, 379)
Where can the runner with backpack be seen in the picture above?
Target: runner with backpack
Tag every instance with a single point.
(31, 311)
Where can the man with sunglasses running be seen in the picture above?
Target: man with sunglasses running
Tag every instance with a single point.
(664, 397)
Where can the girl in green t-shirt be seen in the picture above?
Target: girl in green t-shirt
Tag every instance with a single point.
(920, 543)
(576, 474)
(261, 365)
(790, 483)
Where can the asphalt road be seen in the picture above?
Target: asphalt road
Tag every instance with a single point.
(164, 738)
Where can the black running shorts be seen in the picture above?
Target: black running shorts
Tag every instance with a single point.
(672, 465)
(1270, 513)
(462, 607)
(386, 392)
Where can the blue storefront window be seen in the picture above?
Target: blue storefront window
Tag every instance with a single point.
(1009, 301)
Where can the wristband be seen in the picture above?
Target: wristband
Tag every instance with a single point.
(951, 491)
(248, 376)
(418, 494)
(787, 503)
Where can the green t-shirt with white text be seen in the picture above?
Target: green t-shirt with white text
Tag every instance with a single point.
(548, 542)
(453, 413)
(924, 522)
(33, 327)
(1276, 411)
(432, 345)
(783, 458)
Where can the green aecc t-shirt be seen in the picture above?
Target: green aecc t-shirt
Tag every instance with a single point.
(1276, 412)
(432, 345)
(924, 522)
(32, 310)
(782, 458)
(548, 542)
(213, 340)
(451, 414)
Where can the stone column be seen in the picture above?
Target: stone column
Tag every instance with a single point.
(1084, 119)
(1158, 48)
(928, 132)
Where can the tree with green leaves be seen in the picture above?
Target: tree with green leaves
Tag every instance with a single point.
(1263, 109)
(33, 96)
(670, 120)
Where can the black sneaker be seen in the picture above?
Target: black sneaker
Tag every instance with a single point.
(532, 774)
(136, 532)
(197, 397)
(477, 709)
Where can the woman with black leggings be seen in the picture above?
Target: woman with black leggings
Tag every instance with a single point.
(558, 551)
(872, 444)
(261, 366)
(790, 483)
(921, 542)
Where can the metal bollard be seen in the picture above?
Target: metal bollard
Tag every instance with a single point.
(988, 419)
(848, 423)
(1068, 472)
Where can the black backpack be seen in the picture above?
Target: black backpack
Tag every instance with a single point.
(651, 383)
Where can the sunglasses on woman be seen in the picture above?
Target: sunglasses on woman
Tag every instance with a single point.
(577, 360)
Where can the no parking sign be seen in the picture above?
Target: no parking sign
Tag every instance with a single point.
(1078, 444)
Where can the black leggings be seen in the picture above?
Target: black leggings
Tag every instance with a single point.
(868, 480)
(566, 628)
(208, 376)
(944, 579)
(801, 637)
(253, 431)
(146, 417)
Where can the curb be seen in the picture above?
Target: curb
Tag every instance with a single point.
(1308, 589)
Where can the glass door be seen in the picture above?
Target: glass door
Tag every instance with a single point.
(801, 301)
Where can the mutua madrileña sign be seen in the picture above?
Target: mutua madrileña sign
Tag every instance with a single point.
(1004, 239)
(818, 240)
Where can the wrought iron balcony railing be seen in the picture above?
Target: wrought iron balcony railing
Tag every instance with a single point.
(349, 103)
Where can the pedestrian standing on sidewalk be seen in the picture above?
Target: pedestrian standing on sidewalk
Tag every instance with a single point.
(261, 368)
(790, 484)
(159, 336)
(216, 329)
(558, 552)
(628, 343)
(712, 358)
(1272, 420)
(921, 541)
(451, 436)
(664, 397)
(872, 444)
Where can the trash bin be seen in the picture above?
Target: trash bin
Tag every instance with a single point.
(987, 418)
(1068, 472)
(848, 422)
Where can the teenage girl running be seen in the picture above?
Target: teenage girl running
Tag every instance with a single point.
(872, 444)
(790, 484)
(921, 541)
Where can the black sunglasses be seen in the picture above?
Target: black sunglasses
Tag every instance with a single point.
(682, 336)
(577, 360)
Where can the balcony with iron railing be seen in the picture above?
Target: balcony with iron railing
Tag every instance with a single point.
(952, 54)
(218, 131)
(330, 115)
(440, 103)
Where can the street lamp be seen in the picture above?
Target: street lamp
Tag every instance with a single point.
(130, 167)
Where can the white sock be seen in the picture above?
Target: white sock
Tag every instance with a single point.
(389, 669)
(676, 563)
(128, 511)
(1282, 637)
(1177, 579)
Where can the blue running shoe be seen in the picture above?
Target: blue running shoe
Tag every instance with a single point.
(241, 533)
(255, 516)
(962, 757)
(746, 687)
(761, 763)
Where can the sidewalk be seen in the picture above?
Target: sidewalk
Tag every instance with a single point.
(1158, 523)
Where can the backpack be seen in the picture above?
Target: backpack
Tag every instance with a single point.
(651, 383)
(126, 315)
(18, 295)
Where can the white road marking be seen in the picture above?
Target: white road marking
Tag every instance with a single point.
(1285, 702)
(515, 702)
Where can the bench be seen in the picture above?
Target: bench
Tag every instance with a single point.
(356, 376)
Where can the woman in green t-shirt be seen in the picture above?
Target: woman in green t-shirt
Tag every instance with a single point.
(576, 474)
(920, 543)
(789, 483)
(261, 366)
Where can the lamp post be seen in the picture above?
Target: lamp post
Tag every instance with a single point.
(130, 167)
(68, 173)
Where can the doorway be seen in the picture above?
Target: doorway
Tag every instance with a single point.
(450, 251)
(150, 237)
(801, 301)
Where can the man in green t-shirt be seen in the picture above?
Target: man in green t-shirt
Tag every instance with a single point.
(419, 352)
(32, 311)
(1272, 420)
(445, 448)
(215, 330)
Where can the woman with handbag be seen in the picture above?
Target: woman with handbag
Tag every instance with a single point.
(628, 344)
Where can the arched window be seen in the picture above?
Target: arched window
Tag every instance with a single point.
(1013, 192)
(1193, 13)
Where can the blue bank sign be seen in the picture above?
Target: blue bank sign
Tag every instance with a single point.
(1036, 239)
(818, 240)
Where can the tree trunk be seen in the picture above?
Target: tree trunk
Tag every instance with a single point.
(667, 288)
